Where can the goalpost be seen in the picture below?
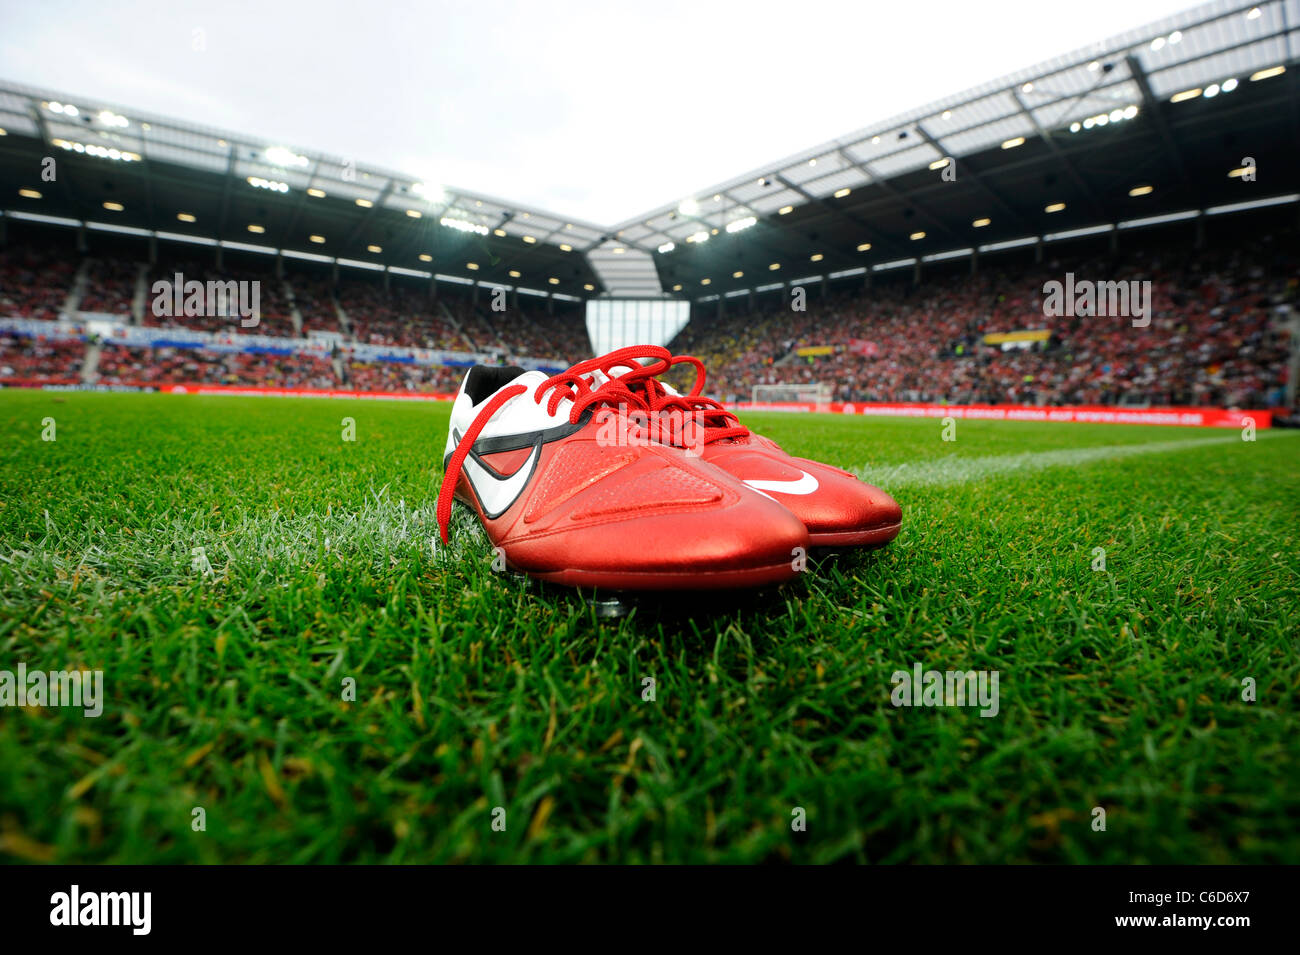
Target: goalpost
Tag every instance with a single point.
(816, 393)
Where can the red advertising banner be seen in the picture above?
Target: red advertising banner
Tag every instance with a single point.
(303, 392)
(1088, 414)
(205, 389)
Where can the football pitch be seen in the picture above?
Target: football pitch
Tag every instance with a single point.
(292, 672)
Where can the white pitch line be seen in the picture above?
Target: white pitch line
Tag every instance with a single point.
(960, 470)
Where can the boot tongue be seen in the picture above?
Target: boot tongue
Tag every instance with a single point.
(532, 379)
(711, 420)
(529, 379)
(598, 377)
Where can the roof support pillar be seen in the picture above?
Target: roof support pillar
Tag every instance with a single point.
(1038, 251)
(81, 239)
(916, 271)
(153, 248)
(220, 254)
(975, 260)
(1200, 229)
(1114, 239)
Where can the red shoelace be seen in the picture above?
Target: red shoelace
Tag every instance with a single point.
(718, 423)
(573, 384)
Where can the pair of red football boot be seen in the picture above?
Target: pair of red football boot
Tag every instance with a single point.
(603, 476)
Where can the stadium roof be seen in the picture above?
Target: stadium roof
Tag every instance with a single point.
(1146, 125)
(1054, 148)
(234, 188)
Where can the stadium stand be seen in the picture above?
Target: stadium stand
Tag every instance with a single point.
(33, 360)
(35, 280)
(396, 377)
(1217, 335)
(43, 270)
(317, 303)
(1213, 338)
(533, 332)
(119, 365)
(917, 238)
(110, 286)
(398, 315)
(275, 316)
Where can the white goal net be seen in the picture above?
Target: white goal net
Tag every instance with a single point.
(817, 393)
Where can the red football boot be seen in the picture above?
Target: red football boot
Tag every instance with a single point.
(836, 507)
(572, 493)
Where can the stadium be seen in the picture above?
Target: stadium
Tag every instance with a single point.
(1054, 316)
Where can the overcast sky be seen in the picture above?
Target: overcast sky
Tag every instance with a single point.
(599, 110)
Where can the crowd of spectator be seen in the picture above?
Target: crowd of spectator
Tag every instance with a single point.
(537, 334)
(221, 312)
(1217, 333)
(1217, 336)
(152, 367)
(27, 359)
(110, 287)
(34, 282)
(398, 315)
(398, 377)
(121, 365)
(314, 297)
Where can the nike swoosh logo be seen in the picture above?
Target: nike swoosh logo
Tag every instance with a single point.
(497, 493)
(805, 485)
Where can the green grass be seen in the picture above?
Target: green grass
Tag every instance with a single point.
(1119, 689)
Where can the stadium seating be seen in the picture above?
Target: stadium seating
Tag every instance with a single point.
(395, 377)
(530, 331)
(119, 365)
(315, 298)
(275, 316)
(34, 281)
(1212, 338)
(110, 286)
(397, 316)
(26, 359)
